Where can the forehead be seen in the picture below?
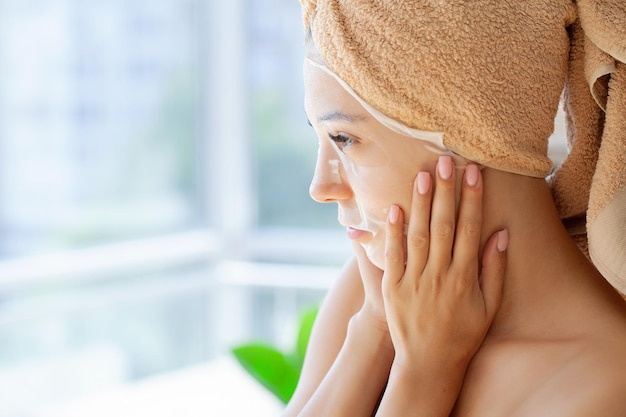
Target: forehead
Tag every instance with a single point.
(323, 96)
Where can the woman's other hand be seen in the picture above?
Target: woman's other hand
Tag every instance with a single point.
(373, 310)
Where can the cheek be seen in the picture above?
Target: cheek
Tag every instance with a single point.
(375, 191)
(378, 188)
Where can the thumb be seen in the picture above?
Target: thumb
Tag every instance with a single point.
(494, 266)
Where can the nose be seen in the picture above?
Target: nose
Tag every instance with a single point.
(329, 184)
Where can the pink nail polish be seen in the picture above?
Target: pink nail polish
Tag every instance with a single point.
(394, 214)
(471, 175)
(503, 240)
(423, 182)
(444, 166)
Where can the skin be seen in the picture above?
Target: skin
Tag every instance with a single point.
(496, 311)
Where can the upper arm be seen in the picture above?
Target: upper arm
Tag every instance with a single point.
(343, 300)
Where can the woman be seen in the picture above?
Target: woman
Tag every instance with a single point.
(466, 296)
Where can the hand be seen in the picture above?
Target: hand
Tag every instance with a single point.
(438, 306)
(373, 309)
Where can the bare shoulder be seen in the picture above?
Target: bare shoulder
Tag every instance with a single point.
(568, 377)
(593, 382)
(598, 375)
(342, 301)
(601, 378)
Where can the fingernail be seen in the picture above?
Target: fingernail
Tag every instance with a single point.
(394, 214)
(503, 240)
(445, 167)
(423, 182)
(471, 175)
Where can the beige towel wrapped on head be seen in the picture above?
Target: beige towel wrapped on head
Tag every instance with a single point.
(490, 75)
(592, 180)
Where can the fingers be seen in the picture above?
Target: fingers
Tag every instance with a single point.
(394, 246)
(494, 266)
(469, 223)
(442, 223)
(434, 229)
(418, 237)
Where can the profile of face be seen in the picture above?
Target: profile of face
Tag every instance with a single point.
(362, 165)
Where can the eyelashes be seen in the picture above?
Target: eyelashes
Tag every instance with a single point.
(342, 141)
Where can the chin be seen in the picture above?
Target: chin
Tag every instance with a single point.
(376, 255)
(375, 250)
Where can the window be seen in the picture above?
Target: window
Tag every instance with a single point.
(100, 122)
(154, 208)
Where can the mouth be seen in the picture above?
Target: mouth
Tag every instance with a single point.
(355, 234)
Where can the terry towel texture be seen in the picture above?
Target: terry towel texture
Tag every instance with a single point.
(490, 74)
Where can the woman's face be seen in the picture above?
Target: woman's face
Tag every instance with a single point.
(362, 165)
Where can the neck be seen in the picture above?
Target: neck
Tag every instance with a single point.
(547, 274)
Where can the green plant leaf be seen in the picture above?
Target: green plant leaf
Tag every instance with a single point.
(270, 367)
(304, 333)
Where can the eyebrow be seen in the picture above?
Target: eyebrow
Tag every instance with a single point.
(342, 116)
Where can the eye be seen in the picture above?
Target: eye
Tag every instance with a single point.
(342, 140)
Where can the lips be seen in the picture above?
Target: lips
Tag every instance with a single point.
(355, 234)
